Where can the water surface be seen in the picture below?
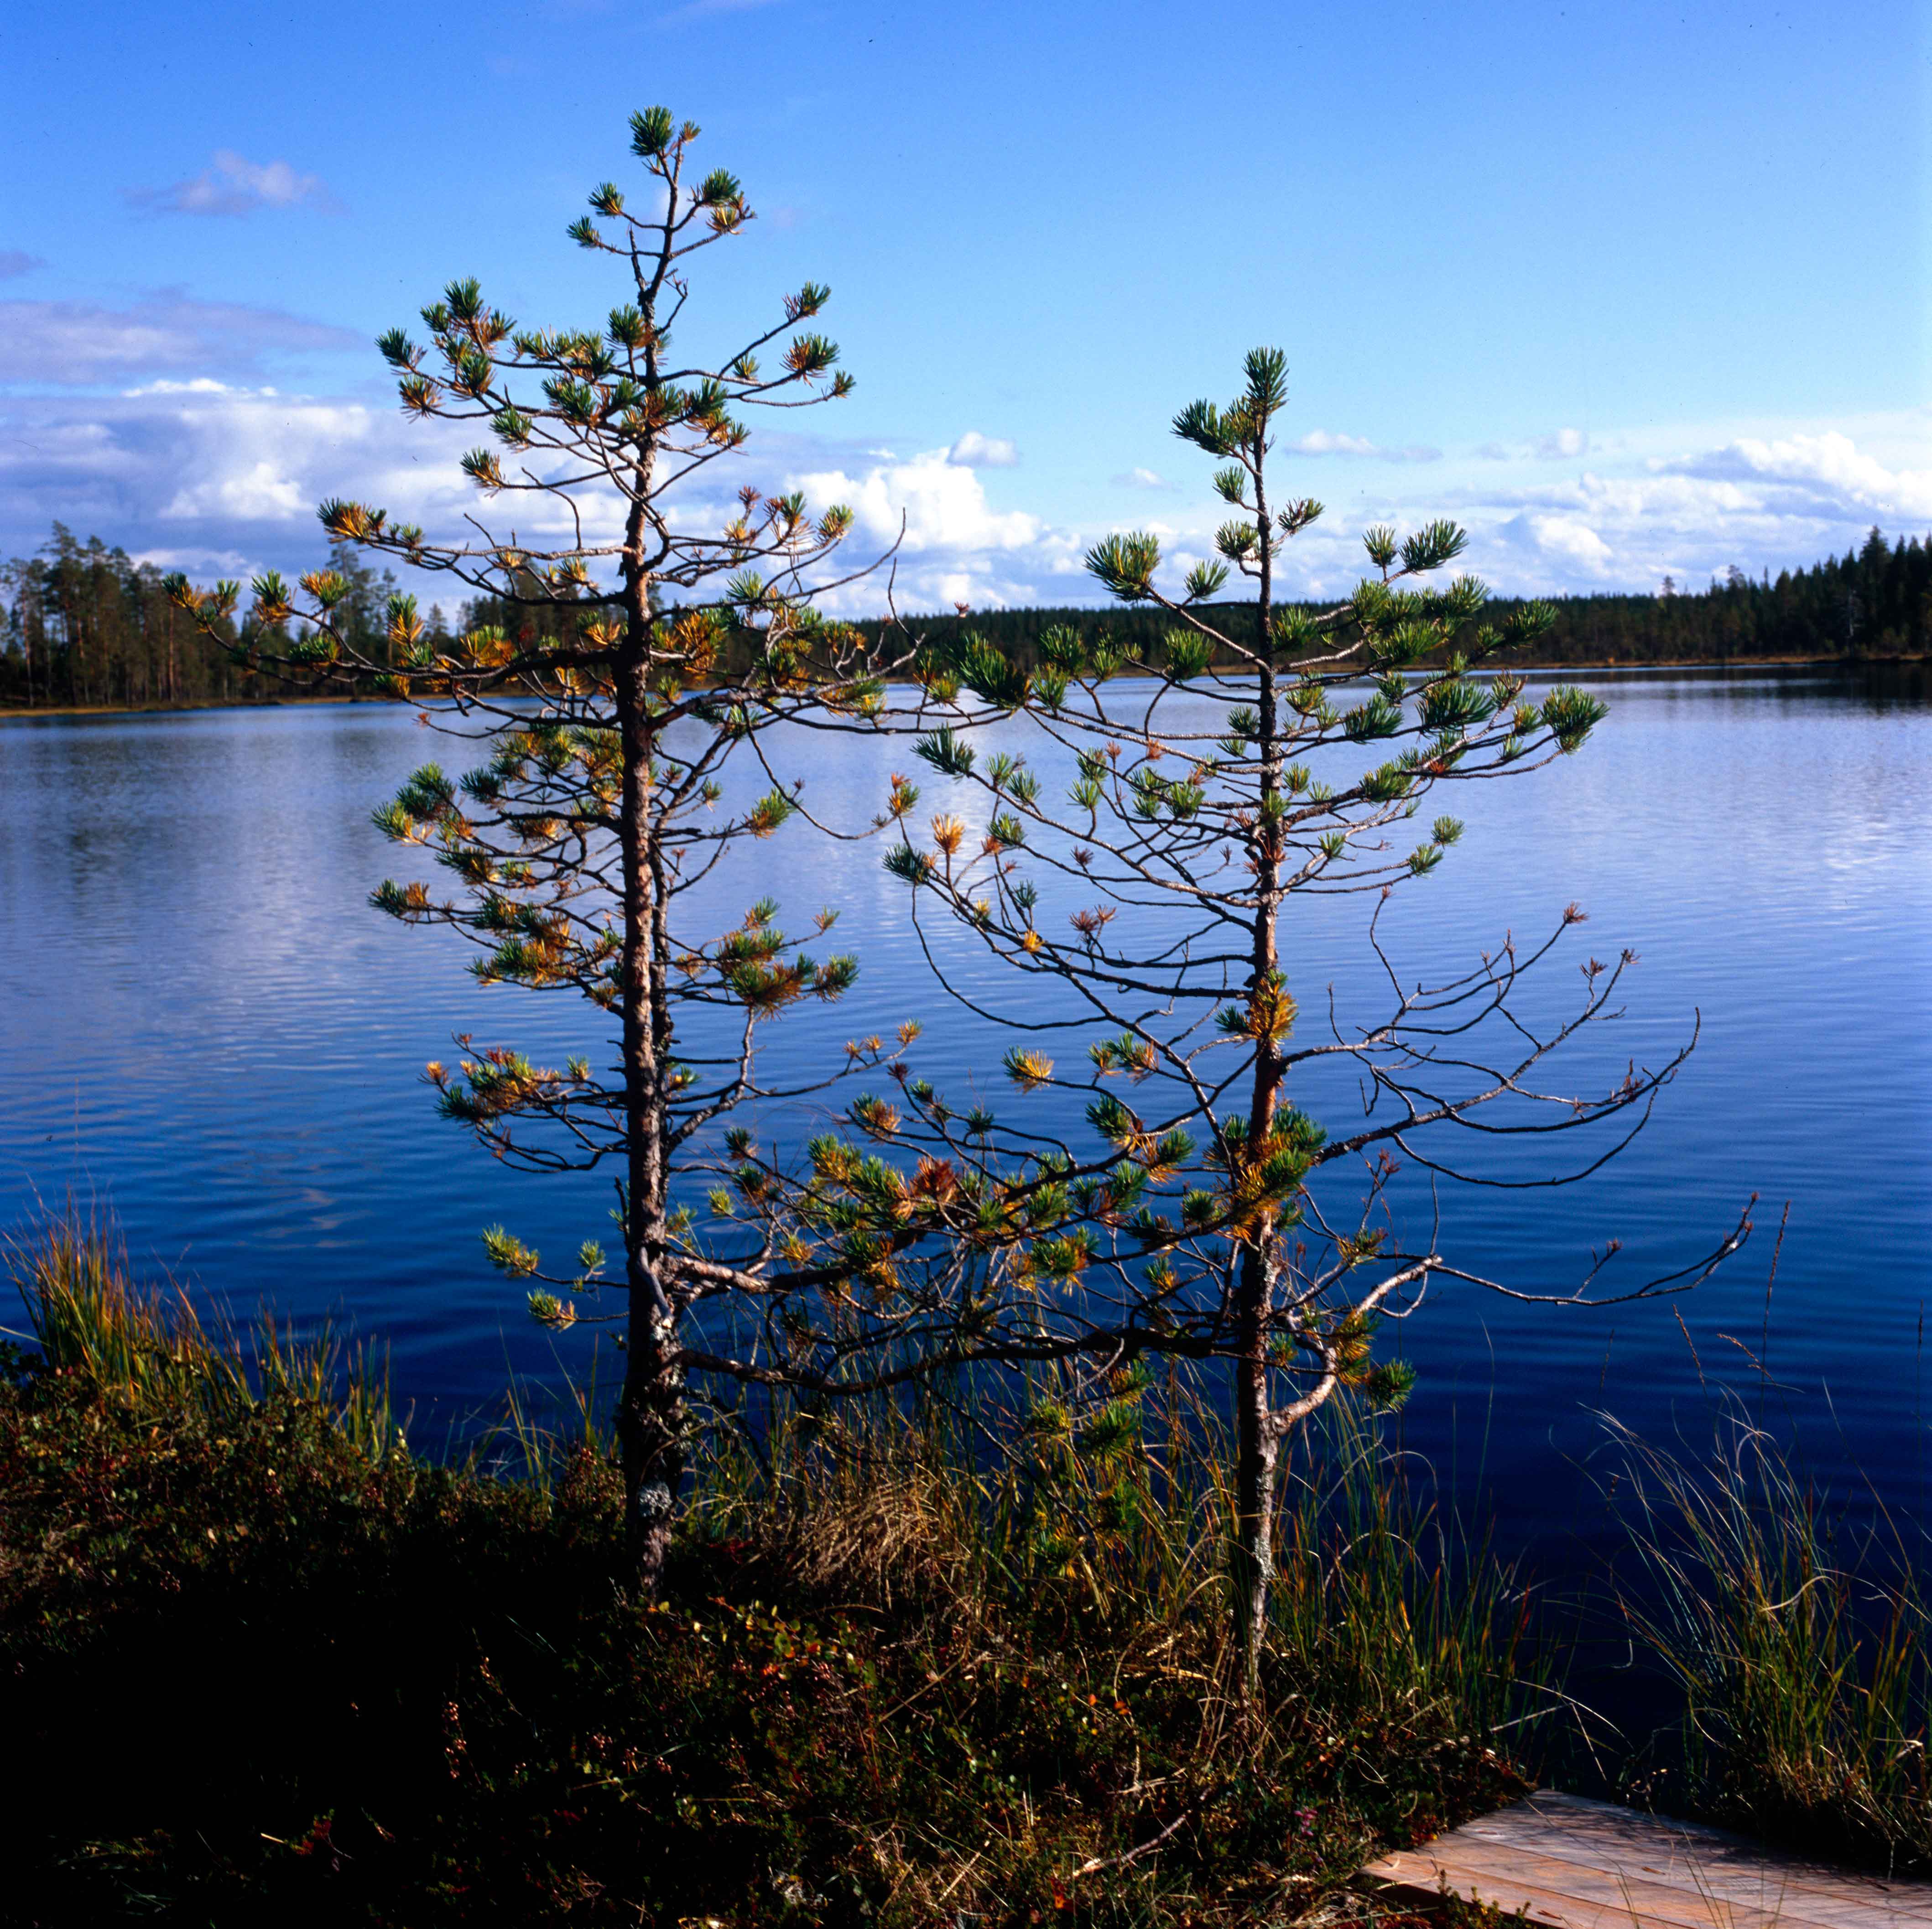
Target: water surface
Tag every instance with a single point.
(205, 1028)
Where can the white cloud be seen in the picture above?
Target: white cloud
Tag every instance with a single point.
(975, 451)
(1565, 445)
(1754, 503)
(956, 548)
(15, 261)
(1560, 445)
(204, 472)
(202, 384)
(194, 462)
(263, 493)
(1563, 540)
(235, 185)
(1770, 499)
(217, 477)
(1324, 442)
(943, 504)
(1826, 470)
(164, 333)
(1328, 441)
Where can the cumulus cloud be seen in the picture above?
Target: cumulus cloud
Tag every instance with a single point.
(1625, 520)
(1824, 472)
(975, 451)
(1567, 541)
(76, 343)
(956, 546)
(233, 184)
(1751, 503)
(219, 474)
(1324, 442)
(1560, 445)
(1143, 479)
(15, 261)
(202, 473)
(223, 478)
(1328, 441)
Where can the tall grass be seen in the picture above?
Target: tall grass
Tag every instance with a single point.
(151, 1352)
(1397, 1607)
(1386, 1616)
(1802, 1648)
(1112, 1508)
(988, 1544)
(965, 1654)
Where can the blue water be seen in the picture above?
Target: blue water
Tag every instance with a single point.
(205, 1029)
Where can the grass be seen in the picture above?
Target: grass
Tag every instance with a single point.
(261, 1662)
(1799, 1648)
(964, 1665)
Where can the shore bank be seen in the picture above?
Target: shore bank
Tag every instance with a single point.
(264, 1661)
(1610, 666)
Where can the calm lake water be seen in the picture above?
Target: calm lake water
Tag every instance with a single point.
(204, 1029)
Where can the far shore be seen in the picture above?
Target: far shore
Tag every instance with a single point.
(21, 713)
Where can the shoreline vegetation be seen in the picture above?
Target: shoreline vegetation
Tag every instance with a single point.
(269, 1661)
(276, 700)
(84, 629)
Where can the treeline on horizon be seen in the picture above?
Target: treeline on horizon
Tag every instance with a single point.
(1872, 602)
(84, 625)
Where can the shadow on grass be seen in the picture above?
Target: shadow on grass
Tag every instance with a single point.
(260, 1662)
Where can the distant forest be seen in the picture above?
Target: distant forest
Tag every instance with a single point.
(85, 626)
(82, 624)
(1874, 601)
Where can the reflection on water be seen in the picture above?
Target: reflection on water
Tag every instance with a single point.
(205, 1027)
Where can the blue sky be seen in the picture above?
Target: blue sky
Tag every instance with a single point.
(1629, 288)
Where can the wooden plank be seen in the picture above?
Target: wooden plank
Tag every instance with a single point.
(1575, 1863)
(1672, 1897)
(1533, 1883)
(1714, 1863)
(1556, 1911)
(1720, 1862)
(1745, 1876)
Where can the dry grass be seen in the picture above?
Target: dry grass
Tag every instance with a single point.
(268, 1665)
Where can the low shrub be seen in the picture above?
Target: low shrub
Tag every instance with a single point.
(262, 1663)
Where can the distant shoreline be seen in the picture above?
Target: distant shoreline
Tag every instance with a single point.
(15, 713)
(24, 713)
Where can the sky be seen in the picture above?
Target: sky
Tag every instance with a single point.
(1629, 289)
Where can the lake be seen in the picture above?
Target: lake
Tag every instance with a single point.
(205, 1031)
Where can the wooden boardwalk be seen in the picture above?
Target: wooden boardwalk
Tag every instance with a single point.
(1579, 1864)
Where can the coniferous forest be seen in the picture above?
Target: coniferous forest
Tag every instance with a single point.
(1872, 602)
(84, 625)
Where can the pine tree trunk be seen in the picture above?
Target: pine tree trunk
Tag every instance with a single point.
(651, 1420)
(1256, 1450)
(1256, 1442)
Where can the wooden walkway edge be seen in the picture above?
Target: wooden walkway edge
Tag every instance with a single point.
(1575, 1863)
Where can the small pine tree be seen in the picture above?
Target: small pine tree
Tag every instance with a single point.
(1216, 778)
(641, 657)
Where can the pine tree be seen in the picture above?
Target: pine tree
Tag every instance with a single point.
(1215, 777)
(628, 679)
